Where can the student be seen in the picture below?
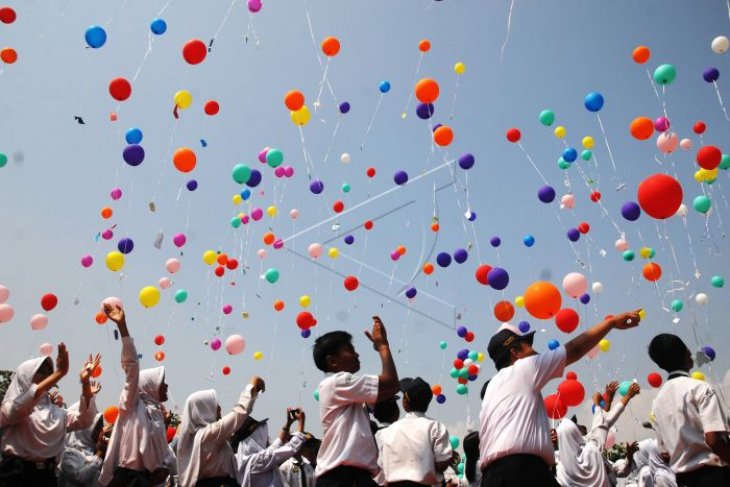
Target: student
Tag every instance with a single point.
(651, 469)
(258, 460)
(138, 453)
(34, 428)
(204, 456)
(514, 435)
(348, 455)
(581, 456)
(415, 450)
(81, 460)
(690, 423)
(298, 471)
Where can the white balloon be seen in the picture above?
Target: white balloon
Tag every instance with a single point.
(682, 211)
(702, 299)
(621, 245)
(685, 144)
(597, 287)
(46, 349)
(38, 322)
(567, 202)
(345, 158)
(720, 44)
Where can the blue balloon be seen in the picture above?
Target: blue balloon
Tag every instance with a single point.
(495, 241)
(570, 154)
(631, 211)
(424, 110)
(125, 245)
(133, 155)
(464, 353)
(553, 344)
(158, 26)
(316, 186)
(255, 178)
(466, 161)
(306, 333)
(546, 194)
(133, 136)
(95, 36)
(524, 327)
(709, 351)
(411, 293)
(461, 332)
(349, 239)
(400, 178)
(711, 75)
(585, 298)
(192, 185)
(573, 235)
(593, 101)
(384, 86)
(529, 240)
(498, 278)
(344, 107)
(440, 399)
(246, 194)
(443, 259)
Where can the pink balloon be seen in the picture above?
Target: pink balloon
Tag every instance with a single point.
(294, 214)
(279, 172)
(262, 254)
(621, 245)
(567, 202)
(179, 240)
(38, 322)
(262, 155)
(257, 214)
(685, 144)
(172, 265)
(107, 234)
(116, 193)
(289, 171)
(244, 219)
(87, 260)
(575, 284)
(112, 301)
(278, 243)
(6, 313)
(165, 282)
(227, 309)
(667, 142)
(315, 250)
(4, 294)
(254, 6)
(235, 344)
(661, 124)
(46, 349)
(215, 344)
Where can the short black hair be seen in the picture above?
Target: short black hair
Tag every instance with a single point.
(484, 389)
(329, 344)
(387, 411)
(668, 351)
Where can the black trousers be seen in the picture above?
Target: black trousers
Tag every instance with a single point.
(15, 472)
(217, 482)
(125, 477)
(346, 477)
(518, 471)
(406, 483)
(705, 477)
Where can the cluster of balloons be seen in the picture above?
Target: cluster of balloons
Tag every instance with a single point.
(223, 261)
(305, 322)
(8, 55)
(465, 366)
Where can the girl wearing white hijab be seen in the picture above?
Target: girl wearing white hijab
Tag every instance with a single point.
(257, 461)
(81, 461)
(204, 456)
(581, 458)
(650, 469)
(138, 454)
(34, 429)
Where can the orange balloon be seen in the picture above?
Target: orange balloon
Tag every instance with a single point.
(278, 305)
(160, 356)
(443, 136)
(504, 311)
(436, 389)
(542, 300)
(111, 414)
(294, 100)
(100, 318)
(8, 55)
(222, 259)
(424, 45)
(184, 159)
(96, 372)
(427, 90)
(641, 54)
(401, 250)
(106, 213)
(435, 227)
(269, 238)
(330, 46)
(642, 128)
(652, 272)
(428, 268)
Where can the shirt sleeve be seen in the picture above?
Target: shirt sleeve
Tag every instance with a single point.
(613, 415)
(12, 412)
(349, 388)
(548, 366)
(710, 409)
(441, 445)
(130, 364)
(270, 458)
(621, 467)
(221, 430)
(80, 469)
(83, 417)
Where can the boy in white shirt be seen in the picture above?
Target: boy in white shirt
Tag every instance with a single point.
(690, 423)
(298, 471)
(348, 455)
(415, 450)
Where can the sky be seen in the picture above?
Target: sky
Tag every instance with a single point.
(519, 58)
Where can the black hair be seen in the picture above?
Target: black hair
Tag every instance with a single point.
(504, 361)
(329, 344)
(484, 389)
(668, 351)
(471, 450)
(387, 411)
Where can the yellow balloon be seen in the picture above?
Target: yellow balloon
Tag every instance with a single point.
(209, 257)
(588, 142)
(698, 375)
(305, 301)
(604, 345)
(258, 355)
(272, 211)
(403, 115)
(115, 261)
(559, 132)
(149, 296)
(520, 301)
(237, 199)
(642, 314)
(480, 357)
(183, 99)
(301, 117)
(645, 252)
(333, 252)
(459, 68)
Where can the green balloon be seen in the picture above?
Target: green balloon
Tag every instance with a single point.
(623, 388)
(563, 164)
(454, 440)
(235, 222)
(274, 157)
(717, 281)
(677, 305)
(181, 295)
(3, 159)
(316, 396)
(474, 355)
(547, 117)
(460, 468)
(702, 204)
(629, 255)
(665, 74)
(464, 373)
(724, 162)
(454, 373)
(241, 173)
(345, 188)
(443, 345)
(461, 389)
(586, 155)
(271, 275)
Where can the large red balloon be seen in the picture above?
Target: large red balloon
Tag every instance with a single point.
(571, 392)
(654, 379)
(120, 89)
(504, 311)
(305, 320)
(660, 196)
(709, 157)
(514, 135)
(49, 301)
(194, 51)
(482, 273)
(567, 320)
(555, 407)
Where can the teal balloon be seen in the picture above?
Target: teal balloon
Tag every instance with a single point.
(665, 74)
(443, 345)
(623, 388)
(677, 305)
(563, 164)
(725, 162)
(235, 222)
(702, 204)
(474, 355)
(454, 440)
(547, 117)
(464, 373)
(586, 155)
(181, 296)
(316, 396)
(629, 255)
(271, 275)
(717, 281)
(454, 373)
(345, 188)
(274, 157)
(460, 469)
(241, 173)
(461, 389)
(3, 159)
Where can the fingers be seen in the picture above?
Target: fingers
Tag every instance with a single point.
(370, 336)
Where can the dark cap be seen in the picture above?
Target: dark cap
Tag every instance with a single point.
(249, 426)
(504, 340)
(418, 392)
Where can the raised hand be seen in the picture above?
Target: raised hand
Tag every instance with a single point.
(258, 384)
(62, 359)
(95, 387)
(624, 321)
(634, 390)
(114, 313)
(378, 335)
(89, 367)
(611, 388)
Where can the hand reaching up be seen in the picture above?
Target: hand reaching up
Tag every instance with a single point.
(378, 335)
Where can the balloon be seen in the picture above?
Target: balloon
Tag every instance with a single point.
(49, 302)
(709, 351)
(641, 54)
(631, 211)
(498, 278)
(697, 375)
(514, 135)
(158, 26)
(305, 320)
(316, 186)
(179, 239)
(294, 100)
(709, 157)
(546, 194)
(628, 255)
(235, 344)
(604, 345)
(301, 117)
(716, 281)
(384, 86)
(654, 380)
(641, 128)
(111, 414)
(38, 322)
(95, 36)
(529, 241)
(271, 275)
(114, 261)
(183, 99)
(720, 44)
(547, 117)
(575, 284)
(460, 256)
(427, 90)
(567, 320)
(254, 180)
(661, 124)
(571, 392)
(702, 204)
(443, 259)
(555, 407)
(667, 142)
(424, 111)
(241, 173)
(184, 159)
(443, 136)
(7, 15)
(211, 108)
(567, 201)
(194, 51)
(351, 283)
(542, 300)
(4, 294)
(181, 296)
(6, 313)
(651, 272)
(504, 311)
(701, 299)
(660, 196)
(400, 178)
(482, 273)
(593, 101)
(466, 161)
(133, 155)
(424, 45)
(172, 265)
(254, 6)
(560, 132)
(685, 144)
(623, 388)
(132, 136)
(570, 154)
(711, 75)
(120, 89)
(274, 157)
(46, 349)
(149, 296)
(330, 46)
(164, 282)
(665, 74)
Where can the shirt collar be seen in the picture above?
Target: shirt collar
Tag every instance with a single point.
(678, 373)
(415, 414)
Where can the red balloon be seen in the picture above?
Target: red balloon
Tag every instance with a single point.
(305, 320)
(482, 273)
(571, 392)
(7, 15)
(232, 264)
(211, 107)
(49, 301)
(220, 270)
(120, 89)
(368, 225)
(194, 51)
(473, 369)
(159, 340)
(371, 172)
(351, 283)
(595, 197)
(655, 380)
(514, 135)
(458, 364)
(571, 376)
(554, 407)
(584, 228)
(660, 196)
(171, 431)
(226, 370)
(469, 337)
(699, 127)
(338, 206)
(567, 320)
(504, 311)
(709, 157)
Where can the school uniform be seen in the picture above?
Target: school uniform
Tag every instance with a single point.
(297, 472)
(685, 409)
(80, 466)
(348, 454)
(410, 448)
(257, 461)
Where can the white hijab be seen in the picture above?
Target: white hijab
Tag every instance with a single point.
(253, 444)
(581, 462)
(44, 430)
(83, 440)
(648, 457)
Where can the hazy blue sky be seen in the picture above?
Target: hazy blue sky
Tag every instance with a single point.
(60, 175)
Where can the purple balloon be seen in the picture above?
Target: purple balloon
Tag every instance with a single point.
(411, 293)
(461, 331)
(433, 129)
(498, 278)
(463, 354)
(709, 351)
(400, 178)
(573, 235)
(316, 186)
(585, 298)
(440, 399)
(133, 155)
(466, 161)
(192, 185)
(255, 178)
(495, 241)
(661, 124)
(711, 74)
(460, 256)
(443, 259)
(344, 107)
(349, 239)
(424, 110)
(306, 333)
(631, 211)
(524, 326)
(125, 245)
(546, 194)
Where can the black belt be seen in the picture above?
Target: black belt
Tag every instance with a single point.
(48, 464)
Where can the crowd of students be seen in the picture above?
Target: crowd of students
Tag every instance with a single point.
(44, 444)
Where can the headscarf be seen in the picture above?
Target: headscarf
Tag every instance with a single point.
(254, 443)
(200, 410)
(44, 429)
(581, 462)
(83, 440)
(648, 461)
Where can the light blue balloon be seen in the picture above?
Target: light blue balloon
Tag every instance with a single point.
(623, 388)
(384, 86)
(95, 36)
(133, 136)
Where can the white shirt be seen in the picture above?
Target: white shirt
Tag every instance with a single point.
(410, 448)
(291, 473)
(685, 409)
(513, 419)
(347, 438)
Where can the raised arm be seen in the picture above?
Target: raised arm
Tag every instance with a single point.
(130, 362)
(388, 379)
(582, 344)
(221, 430)
(276, 454)
(81, 419)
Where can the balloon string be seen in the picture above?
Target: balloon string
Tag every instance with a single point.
(311, 32)
(605, 140)
(372, 120)
(321, 83)
(332, 140)
(529, 158)
(413, 83)
(509, 27)
(223, 22)
(453, 101)
(719, 98)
